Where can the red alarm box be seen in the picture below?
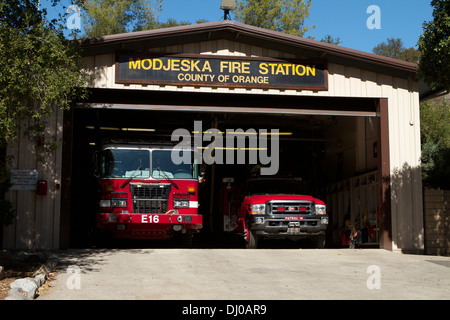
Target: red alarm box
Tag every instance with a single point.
(41, 188)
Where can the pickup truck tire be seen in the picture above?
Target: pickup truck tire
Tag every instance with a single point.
(252, 240)
(320, 242)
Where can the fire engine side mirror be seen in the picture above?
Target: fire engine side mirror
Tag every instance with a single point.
(95, 164)
(201, 176)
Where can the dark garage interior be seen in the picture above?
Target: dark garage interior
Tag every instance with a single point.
(326, 150)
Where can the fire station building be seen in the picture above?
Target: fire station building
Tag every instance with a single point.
(347, 121)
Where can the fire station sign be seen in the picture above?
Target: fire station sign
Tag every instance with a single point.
(222, 72)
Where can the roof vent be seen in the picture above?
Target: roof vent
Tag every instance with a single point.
(226, 6)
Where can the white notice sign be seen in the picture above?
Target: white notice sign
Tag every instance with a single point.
(24, 179)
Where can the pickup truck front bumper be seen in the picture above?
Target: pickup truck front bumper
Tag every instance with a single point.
(271, 226)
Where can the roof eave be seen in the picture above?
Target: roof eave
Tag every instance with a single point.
(260, 34)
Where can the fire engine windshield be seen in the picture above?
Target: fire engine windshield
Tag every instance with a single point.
(125, 163)
(163, 167)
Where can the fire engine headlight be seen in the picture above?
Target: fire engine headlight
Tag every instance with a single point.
(118, 203)
(321, 209)
(258, 209)
(180, 204)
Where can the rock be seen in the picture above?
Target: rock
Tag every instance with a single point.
(40, 279)
(16, 294)
(27, 285)
(16, 297)
(15, 290)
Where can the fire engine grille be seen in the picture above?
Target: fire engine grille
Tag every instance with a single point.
(150, 198)
(289, 207)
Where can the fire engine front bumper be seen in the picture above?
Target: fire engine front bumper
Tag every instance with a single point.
(147, 225)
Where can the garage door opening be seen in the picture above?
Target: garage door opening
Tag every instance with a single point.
(334, 156)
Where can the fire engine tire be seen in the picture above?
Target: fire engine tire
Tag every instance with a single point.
(186, 240)
(252, 240)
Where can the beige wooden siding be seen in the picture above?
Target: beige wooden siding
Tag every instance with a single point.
(37, 222)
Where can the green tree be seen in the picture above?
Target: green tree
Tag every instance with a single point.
(39, 68)
(394, 48)
(39, 72)
(435, 136)
(410, 55)
(284, 15)
(434, 44)
(435, 121)
(434, 68)
(105, 17)
(174, 23)
(332, 40)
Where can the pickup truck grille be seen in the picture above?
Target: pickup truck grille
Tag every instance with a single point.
(150, 198)
(290, 207)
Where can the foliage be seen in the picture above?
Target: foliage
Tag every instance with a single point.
(436, 165)
(284, 15)
(39, 72)
(435, 134)
(332, 40)
(435, 121)
(174, 23)
(39, 69)
(6, 207)
(391, 48)
(394, 48)
(105, 17)
(434, 44)
(410, 55)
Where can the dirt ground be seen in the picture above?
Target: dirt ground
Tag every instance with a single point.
(14, 268)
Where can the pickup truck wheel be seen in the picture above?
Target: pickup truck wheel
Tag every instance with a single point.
(252, 240)
(320, 242)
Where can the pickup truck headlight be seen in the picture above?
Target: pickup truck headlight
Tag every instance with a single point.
(258, 209)
(321, 209)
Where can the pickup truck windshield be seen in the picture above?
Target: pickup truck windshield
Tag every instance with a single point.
(275, 186)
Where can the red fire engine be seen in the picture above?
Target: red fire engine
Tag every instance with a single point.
(145, 194)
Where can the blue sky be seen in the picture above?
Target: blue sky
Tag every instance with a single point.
(345, 19)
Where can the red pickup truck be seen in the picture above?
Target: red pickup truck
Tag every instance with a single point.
(277, 208)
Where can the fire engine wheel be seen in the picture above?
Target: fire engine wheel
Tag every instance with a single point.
(186, 240)
(251, 239)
